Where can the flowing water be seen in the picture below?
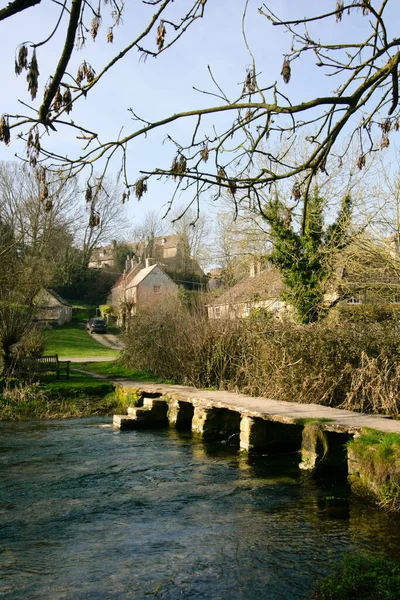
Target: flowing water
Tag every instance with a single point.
(90, 513)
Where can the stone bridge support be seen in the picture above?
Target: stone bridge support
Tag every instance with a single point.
(180, 414)
(322, 449)
(215, 422)
(259, 435)
(153, 413)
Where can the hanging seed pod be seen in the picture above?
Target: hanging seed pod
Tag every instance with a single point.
(385, 141)
(175, 168)
(361, 162)
(286, 70)
(182, 166)
(296, 191)
(221, 174)
(67, 100)
(205, 153)
(88, 193)
(36, 143)
(232, 186)
(58, 101)
(396, 125)
(340, 162)
(339, 9)
(385, 125)
(22, 61)
(48, 207)
(5, 130)
(95, 27)
(110, 36)
(89, 74)
(140, 187)
(33, 76)
(366, 6)
(44, 194)
(250, 82)
(161, 31)
(79, 76)
(94, 219)
(40, 174)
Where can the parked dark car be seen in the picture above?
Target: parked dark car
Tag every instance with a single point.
(97, 325)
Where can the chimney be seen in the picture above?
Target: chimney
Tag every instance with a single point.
(150, 262)
(255, 268)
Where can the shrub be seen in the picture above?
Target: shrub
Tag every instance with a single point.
(31, 344)
(320, 362)
(366, 577)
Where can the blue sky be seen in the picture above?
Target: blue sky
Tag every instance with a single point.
(159, 87)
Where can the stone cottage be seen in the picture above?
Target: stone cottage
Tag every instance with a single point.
(140, 285)
(51, 309)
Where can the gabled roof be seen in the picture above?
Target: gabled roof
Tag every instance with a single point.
(142, 274)
(57, 297)
(266, 285)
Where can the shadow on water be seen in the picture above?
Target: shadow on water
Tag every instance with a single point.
(87, 512)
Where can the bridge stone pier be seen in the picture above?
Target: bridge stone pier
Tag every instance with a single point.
(262, 436)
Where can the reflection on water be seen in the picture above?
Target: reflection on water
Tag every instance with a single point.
(89, 513)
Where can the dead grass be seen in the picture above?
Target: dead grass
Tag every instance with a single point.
(353, 366)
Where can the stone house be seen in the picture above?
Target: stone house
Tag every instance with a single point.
(51, 309)
(141, 284)
(359, 278)
(170, 251)
(260, 289)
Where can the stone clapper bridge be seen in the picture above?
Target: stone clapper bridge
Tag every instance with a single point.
(319, 433)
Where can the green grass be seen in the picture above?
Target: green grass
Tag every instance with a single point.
(114, 369)
(378, 457)
(49, 398)
(366, 577)
(73, 340)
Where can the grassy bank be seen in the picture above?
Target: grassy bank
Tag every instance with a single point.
(48, 398)
(374, 467)
(116, 368)
(72, 340)
(366, 577)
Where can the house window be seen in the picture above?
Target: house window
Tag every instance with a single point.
(217, 312)
(353, 300)
(157, 289)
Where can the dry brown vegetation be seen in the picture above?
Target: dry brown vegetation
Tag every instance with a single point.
(348, 364)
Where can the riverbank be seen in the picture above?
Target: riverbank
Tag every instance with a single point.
(82, 395)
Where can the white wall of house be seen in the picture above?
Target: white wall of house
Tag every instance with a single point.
(241, 310)
(156, 286)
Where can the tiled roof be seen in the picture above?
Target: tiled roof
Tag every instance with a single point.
(264, 286)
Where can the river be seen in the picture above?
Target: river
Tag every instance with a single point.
(90, 513)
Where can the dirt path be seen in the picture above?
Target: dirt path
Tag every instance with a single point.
(109, 340)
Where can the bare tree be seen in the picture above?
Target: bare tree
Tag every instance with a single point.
(107, 218)
(151, 226)
(194, 232)
(364, 68)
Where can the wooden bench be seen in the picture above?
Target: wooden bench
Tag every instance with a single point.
(32, 365)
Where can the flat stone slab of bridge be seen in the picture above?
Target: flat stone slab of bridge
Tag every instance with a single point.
(271, 410)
